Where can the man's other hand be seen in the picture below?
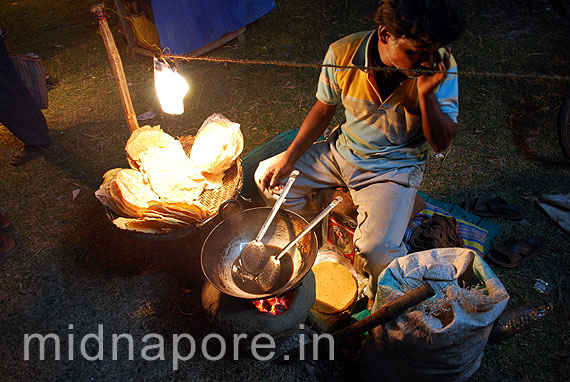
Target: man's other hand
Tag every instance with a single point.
(274, 174)
(428, 81)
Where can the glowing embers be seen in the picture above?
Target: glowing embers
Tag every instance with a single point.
(236, 315)
(273, 305)
(170, 86)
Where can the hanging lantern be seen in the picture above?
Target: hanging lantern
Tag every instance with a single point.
(170, 86)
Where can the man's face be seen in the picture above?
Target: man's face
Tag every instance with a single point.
(403, 53)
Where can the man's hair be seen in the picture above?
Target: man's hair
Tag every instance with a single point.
(426, 21)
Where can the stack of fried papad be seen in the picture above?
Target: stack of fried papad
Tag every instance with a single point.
(140, 208)
(162, 217)
(159, 194)
(124, 191)
(336, 291)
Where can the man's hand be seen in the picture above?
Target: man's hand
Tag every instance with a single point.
(429, 81)
(274, 174)
(312, 127)
(438, 128)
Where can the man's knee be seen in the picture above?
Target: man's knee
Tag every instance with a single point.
(373, 262)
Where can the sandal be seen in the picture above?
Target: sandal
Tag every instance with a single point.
(515, 252)
(7, 228)
(26, 154)
(496, 207)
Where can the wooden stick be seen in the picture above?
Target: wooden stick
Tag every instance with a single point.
(387, 313)
(116, 66)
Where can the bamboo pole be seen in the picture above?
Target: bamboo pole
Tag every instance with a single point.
(385, 314)
(116, 66)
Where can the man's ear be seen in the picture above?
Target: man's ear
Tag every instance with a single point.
(383, 34)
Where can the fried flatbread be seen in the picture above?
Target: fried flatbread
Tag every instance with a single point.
(147, 225)
(170, 173)
(144, 138)
(133, 192)
(189, 212)
(214, 181)
(111, 175)
(335, 287)
(102, 194)
(105, 195)
(217, 145)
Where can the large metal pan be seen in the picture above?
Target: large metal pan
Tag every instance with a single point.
(223, 246)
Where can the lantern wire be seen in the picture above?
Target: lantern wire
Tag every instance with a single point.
(165, 54)
(509, 75)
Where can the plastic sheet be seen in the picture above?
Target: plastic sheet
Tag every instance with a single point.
(187, 25)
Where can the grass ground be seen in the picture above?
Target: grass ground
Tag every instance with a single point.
(73, 267)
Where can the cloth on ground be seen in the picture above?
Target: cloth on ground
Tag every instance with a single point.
(475, 231)
(557, 207)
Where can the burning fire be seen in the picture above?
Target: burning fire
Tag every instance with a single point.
(273, 305)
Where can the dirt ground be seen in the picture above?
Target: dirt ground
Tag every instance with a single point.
(74, 271)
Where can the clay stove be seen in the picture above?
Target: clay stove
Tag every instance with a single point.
(235, 315)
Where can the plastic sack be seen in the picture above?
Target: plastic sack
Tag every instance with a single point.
(218, 144)
(443, 338)
(31, 70)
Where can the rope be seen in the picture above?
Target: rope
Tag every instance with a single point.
(100, 13)
(511, 75)
(515, 76)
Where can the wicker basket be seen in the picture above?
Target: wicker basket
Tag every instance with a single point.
(212, 199)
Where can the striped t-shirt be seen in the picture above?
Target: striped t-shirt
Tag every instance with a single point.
(385, 137)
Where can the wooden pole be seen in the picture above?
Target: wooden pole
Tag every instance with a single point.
(385, 314)
(116, 66)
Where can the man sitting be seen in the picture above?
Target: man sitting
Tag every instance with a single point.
(392, 112)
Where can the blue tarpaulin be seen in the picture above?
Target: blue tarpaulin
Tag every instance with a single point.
(187, 25)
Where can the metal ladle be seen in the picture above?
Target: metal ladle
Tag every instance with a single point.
(267, 278)
(253, 256)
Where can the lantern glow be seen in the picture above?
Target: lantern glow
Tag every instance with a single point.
(170, 86)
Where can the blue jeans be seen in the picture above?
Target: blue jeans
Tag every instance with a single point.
(384, 206)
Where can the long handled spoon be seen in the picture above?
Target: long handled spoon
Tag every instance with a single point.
(268, 276)
(253, 256)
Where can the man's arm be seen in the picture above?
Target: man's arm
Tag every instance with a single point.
(312, 127)
(439, 129)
